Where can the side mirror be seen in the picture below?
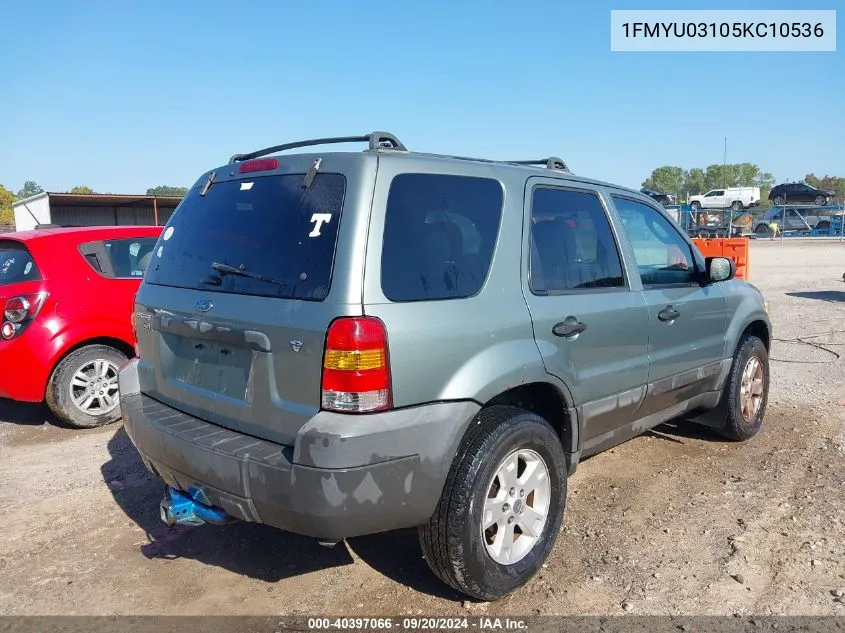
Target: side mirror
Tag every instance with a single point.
(720, 269)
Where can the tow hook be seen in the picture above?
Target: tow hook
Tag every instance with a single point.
(190, 508)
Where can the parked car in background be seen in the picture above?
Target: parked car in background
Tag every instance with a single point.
(799, 192)
(736, 198)
(67, 296)
(796, 219)
(662, 198)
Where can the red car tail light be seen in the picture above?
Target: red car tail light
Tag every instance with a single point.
(356, 367)
(24, 307)
(8, 330)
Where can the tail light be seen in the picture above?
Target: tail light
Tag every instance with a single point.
(18, 310)
(356, 367)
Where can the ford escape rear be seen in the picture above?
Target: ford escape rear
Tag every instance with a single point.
(345, 343)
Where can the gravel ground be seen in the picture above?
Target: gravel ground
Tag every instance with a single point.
(676, 521)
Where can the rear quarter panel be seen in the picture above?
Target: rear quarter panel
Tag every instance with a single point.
(83, 304)
(457, 349)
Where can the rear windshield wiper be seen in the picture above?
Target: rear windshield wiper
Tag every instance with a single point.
(225, 269)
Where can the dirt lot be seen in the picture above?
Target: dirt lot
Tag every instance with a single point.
(674, 522)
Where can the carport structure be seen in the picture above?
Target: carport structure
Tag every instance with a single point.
(97, 209)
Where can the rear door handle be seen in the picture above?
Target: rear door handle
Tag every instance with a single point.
(569, 328)
(668, 314)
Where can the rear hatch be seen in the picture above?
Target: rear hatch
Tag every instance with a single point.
(248, 274)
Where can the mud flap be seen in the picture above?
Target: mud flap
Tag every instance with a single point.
(715, 418)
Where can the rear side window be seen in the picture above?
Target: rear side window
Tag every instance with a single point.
(123, 258)
(16, 263)
(439, 236)
(572, 244)
(130, 257)
(268, 236)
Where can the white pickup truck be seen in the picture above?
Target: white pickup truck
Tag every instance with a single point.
(736, 198)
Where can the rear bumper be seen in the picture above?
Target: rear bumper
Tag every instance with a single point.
(345, 476)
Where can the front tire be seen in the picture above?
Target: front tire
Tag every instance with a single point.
(779, 201)
(747, 390)
(820, 201)
(762, 229)
(695, 206)
(507, 483)
(736, 206)
(82, 391)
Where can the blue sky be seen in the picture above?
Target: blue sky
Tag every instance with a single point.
(121, 96)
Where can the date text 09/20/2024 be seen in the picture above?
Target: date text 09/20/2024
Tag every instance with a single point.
(483, 623)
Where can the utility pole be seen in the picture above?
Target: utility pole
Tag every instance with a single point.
(725, 185)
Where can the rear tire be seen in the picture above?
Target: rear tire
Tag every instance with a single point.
(778, 201)
(737, 205)
(761, 229)
(82, 391)
(747, 390)
(695, 206)
(455, 543)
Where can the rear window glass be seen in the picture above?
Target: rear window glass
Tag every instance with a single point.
(16, 263)
(439, 236)
(267, 236)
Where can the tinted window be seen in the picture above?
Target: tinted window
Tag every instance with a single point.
(268, 226)
(439, 236)
(572, 246)
(16, 263)
(663, 256)
(128, 257)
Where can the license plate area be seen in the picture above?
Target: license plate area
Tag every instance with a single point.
(207, 365)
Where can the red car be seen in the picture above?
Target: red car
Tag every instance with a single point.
(67, 298)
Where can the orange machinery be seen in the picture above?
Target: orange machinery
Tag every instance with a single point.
(735, 247)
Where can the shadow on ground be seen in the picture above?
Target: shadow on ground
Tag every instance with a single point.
(833, 296)
(254, 550)
(25, 413)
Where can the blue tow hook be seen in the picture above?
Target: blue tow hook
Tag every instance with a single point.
(187, 508)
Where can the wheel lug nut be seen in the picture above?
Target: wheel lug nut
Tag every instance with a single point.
(510, 520)
(506, 507)
(512, 492)
(522, 493)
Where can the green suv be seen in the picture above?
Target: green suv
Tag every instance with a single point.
(344, 343)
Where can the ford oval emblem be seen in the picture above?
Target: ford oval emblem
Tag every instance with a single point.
(203, 305)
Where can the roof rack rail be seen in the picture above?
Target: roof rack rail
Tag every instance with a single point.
(376, 140)
(552, 162)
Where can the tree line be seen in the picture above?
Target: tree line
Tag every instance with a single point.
(32, 188)
(683, 182)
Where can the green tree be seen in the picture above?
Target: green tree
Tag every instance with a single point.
(7, 215)
(696, 182)
(765, 181)
(167, 190)
(81, 189)
(666, 179)
(30, 189)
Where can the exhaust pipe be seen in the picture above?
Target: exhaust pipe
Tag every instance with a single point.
(184, 508)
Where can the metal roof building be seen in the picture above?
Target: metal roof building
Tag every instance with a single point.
(79, 209)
